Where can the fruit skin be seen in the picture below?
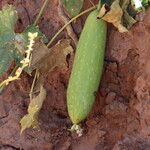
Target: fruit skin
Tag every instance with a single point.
(87, 68)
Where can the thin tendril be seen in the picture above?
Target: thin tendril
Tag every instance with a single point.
(82, 13)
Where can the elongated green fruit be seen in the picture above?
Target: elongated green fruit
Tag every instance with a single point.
(87, 68)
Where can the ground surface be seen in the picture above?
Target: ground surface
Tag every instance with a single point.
(120, 119)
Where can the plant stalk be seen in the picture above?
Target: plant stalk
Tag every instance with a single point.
(41, 12)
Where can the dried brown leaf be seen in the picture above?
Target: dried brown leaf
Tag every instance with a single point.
(114, 16)
(102, 11)
(40, 50)
(30, 120)
(45, 59)
(128, 20)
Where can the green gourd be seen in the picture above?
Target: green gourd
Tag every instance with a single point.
(87, 68)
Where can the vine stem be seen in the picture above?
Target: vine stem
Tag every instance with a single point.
(33, 84)
(3, 86)
(82, 13)
(41, 12)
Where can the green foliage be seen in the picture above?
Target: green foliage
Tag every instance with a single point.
(33, 28)
(21, 40)
(145, 3)
(8, 18)
(12, 45)
(73, 6)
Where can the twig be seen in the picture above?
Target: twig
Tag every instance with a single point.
(91, 2)
(41, 12)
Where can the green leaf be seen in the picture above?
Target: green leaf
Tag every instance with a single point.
(12, 46)
(8, 18)
(8, 53)
(33, 28)
(21, 40)
(5, 59)
(145, 3)
(73, 6)
(30, 120)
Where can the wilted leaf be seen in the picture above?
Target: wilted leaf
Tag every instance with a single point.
(127, 19)
(102, 11)
(45, 59)
(73, 6)
(30, 120)
(114, 16)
